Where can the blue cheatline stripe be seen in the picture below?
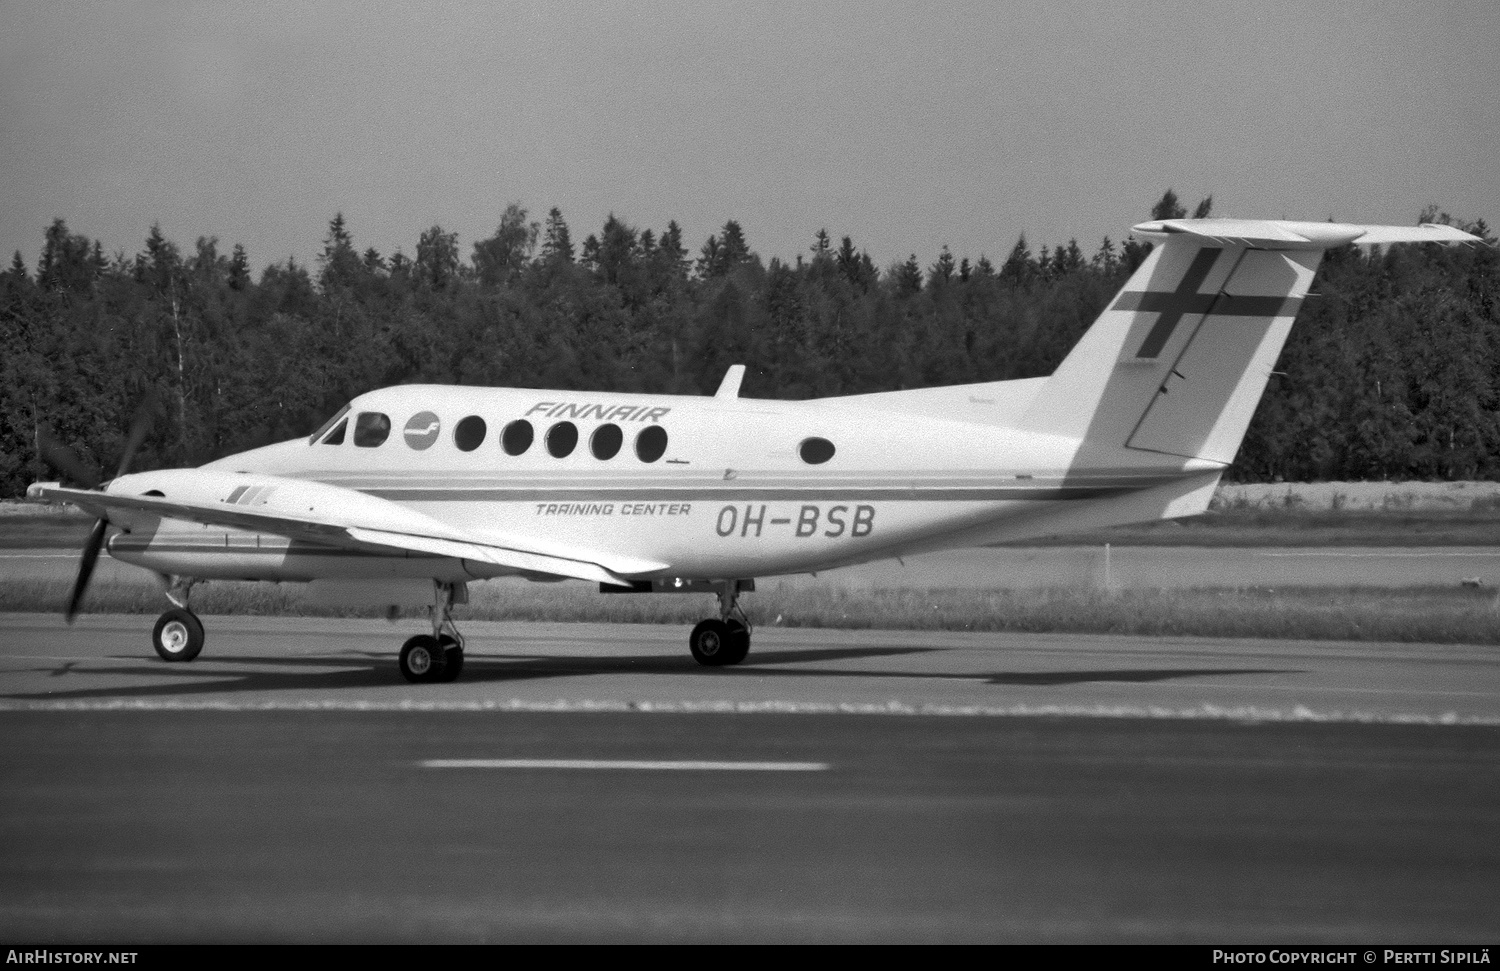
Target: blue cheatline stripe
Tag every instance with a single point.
(638, 765)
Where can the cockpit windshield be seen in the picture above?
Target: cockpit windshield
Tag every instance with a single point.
(323, 428)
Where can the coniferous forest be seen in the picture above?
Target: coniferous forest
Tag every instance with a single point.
(1393, 371)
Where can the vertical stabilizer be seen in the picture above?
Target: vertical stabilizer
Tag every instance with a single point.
(1178, 361)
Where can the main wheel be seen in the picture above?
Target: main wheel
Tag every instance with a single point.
(453, 658)
(712, 644)
(739, 642)
(422, 661)
(178, 635)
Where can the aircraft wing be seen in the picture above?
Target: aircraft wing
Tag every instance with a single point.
(317, 513)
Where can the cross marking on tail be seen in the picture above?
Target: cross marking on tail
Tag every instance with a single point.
(1186, 300)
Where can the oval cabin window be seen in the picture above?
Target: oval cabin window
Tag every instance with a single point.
(651, 443)
(815, 451)
(468, 434)
(561, 439)
(517, 437)
(606, 441)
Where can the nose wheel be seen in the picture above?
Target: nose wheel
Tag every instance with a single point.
(178, 635)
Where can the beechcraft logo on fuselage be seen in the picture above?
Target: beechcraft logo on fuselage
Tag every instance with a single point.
(565, 409)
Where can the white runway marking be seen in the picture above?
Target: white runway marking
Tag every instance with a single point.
(1384, 554)
(635, 764)
(1208, 712)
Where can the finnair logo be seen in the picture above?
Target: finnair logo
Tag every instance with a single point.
(421, 430)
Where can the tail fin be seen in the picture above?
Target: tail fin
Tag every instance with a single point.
(1178, 362)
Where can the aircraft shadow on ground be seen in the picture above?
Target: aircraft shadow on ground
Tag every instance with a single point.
(365, 670)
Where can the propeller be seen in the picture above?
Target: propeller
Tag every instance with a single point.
(66, 460)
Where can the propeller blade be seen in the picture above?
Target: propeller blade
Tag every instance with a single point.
(64, 459)
(140, 425)
(86, 568)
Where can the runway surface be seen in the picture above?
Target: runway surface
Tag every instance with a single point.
(1025, 568)
(591, 783)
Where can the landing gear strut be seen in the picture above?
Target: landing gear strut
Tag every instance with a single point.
(178, 635)
(726, 639)
(439, 656)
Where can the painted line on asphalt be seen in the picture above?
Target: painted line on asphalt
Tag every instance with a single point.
(1386, 554)
(640, 765)
(1207, 712)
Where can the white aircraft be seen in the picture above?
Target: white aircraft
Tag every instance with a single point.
(411, 492)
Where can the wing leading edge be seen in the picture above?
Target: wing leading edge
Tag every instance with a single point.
(366, 526)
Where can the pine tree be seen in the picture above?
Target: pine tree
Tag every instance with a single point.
(557, 244)
(941, 271)
(1018, 268)
(338, 264)
(709, 258)
(732, 242)
(239, 268)
(1167, 207)
(908, 277)
(721, 254)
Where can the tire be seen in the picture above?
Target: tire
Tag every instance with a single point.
(421, 662)
(711, 643)
(739, 642)
(453, 658)
(178, 635)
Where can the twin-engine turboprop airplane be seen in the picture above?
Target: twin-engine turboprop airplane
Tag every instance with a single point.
(409, 493)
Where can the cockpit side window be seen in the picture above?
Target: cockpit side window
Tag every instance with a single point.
(371, 429)
(323, 428)
(336, 437)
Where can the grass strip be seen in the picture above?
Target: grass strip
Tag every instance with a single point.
(1450, 615)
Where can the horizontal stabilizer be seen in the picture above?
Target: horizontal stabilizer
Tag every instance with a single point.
(1282, 234)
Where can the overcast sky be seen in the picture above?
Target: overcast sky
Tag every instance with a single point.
(905, 126)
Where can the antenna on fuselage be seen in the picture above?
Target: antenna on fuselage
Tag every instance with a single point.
(730, 386)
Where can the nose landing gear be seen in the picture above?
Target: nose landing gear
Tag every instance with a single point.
(178, 635)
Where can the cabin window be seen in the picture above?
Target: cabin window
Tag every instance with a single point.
(651, 443)
(517, 437)
(468, 434)
(561, 439)
(336, 437)
(815, 451)
(371, 429)
(606, 441)
(313, 438)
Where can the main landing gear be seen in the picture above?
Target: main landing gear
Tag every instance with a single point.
(178, 635)
(725, 639)
(439, 656)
